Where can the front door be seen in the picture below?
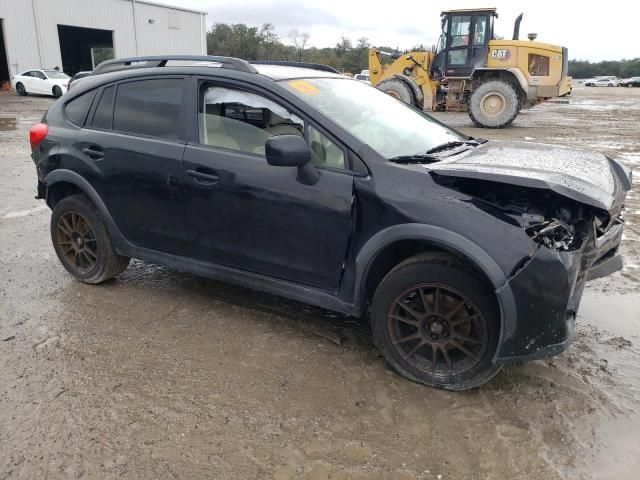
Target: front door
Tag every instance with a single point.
(134, 143)
(249, 215)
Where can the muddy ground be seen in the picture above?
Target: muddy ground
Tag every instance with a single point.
(160, 374)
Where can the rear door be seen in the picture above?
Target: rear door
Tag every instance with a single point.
(27, 79)
(134, 141)
(249, 215)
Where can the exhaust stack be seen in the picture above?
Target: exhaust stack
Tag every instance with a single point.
(516, 27)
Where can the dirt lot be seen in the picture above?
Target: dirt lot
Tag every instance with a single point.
(160, 374)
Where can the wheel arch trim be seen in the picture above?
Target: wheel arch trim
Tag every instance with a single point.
(448, 240)
(68, 176)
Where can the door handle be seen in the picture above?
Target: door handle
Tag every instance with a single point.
(93, 152)
(203, 178)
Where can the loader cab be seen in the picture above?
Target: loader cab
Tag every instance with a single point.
(463, 43)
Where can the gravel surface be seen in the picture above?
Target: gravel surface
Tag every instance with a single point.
(160, 374)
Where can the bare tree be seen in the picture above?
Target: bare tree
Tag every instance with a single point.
(299, 40)
(269, 39)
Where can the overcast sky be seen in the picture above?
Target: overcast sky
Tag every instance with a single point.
(591, 30)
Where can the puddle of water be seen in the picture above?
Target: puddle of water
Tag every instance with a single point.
(623, 319)
(616, 454)
(7, 124)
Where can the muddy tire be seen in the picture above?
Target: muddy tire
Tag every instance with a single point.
(21, 90)
(57, 91)
(397, 89)
(82, 242)
(494, 104)
(437, 323)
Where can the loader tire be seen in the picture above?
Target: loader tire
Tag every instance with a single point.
(397, 89)
(494, 104)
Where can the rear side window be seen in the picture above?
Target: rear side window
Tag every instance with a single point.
(103, 115)
(149, 107)
(76, 110)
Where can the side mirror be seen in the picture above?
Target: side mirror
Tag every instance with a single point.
(287, 151)
(292, 151)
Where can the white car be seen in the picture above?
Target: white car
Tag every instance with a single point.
(362, 78)
(602, 82)
(45, 82)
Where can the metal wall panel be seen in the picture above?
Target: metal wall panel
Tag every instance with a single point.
(31, 47)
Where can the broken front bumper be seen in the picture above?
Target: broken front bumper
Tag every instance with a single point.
(547, 294)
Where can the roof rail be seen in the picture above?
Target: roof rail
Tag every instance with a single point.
(287, 63)
(161, 61)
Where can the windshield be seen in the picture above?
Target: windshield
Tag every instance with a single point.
(387, 125)
(54, 74)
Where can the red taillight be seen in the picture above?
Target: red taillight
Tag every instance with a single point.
(37, 134)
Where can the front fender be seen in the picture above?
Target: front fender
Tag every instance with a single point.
(447, 240)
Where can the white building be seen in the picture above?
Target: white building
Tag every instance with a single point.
(77, 34)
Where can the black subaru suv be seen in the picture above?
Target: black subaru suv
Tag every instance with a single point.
(297, 181)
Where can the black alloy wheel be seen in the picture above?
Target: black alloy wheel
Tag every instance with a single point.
(437, 329)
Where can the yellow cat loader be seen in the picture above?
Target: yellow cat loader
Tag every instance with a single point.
(473, 71)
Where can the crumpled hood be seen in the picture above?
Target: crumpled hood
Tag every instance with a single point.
(587, 177)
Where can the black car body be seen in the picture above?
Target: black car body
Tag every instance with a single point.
(76, 77)
(533, 222)
(630, 82)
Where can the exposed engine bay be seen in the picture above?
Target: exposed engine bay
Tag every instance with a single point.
(548, 218)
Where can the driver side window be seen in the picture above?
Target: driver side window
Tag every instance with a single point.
(240, 120)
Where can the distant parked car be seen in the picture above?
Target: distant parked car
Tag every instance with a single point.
(602, 82)
(76, 77)
(630, 82)
(45, 82)
(362, 78)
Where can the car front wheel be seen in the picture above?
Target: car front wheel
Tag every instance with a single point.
(57, 91)
(437, 323)
(82, 241)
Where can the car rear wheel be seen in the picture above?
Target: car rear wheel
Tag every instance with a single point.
(20, 89)
(57, 91)
(82, 242)
(437, 323)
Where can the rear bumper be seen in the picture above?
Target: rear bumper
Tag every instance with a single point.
(565, 86)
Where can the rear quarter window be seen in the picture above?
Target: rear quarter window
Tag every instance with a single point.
(103, 116)
(76, 110)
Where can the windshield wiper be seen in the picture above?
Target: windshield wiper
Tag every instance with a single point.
(450, 145)
(418, 158)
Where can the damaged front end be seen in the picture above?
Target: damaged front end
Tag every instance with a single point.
(571, 243)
